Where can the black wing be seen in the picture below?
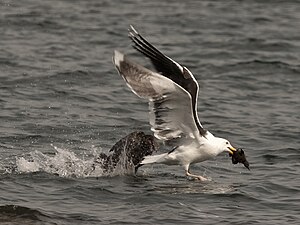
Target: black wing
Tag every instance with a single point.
(170, 69)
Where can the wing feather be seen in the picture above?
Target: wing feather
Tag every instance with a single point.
(170, 69)
(170, 104)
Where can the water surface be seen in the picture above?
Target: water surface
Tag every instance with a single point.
(62, 103)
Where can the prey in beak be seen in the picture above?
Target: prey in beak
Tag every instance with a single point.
(238, 156)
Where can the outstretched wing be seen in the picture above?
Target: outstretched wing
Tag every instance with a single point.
(170, 69)
(170, 104)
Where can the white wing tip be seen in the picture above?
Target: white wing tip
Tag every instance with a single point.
(118, 58)
(133, 29)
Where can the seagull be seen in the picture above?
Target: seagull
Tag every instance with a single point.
(172, 92)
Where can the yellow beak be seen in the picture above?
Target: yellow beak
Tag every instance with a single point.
(231, 150)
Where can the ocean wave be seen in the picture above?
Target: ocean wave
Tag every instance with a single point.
(15, 214)
(271, 62)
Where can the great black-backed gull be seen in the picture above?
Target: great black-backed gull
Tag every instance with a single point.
(172, 93)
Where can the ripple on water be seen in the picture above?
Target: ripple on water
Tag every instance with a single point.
(14, 214)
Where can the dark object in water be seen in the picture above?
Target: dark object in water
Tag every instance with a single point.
(129, 151)
(239, 156)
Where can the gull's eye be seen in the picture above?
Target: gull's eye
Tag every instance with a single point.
(227, 142)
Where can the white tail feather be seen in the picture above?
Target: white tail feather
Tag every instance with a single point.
(154, 159)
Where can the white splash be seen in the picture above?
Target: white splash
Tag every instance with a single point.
(24, 165)
(66, 163)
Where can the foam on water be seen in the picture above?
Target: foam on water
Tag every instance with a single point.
(65, 163)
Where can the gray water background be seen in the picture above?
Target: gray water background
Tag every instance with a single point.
(62, 102)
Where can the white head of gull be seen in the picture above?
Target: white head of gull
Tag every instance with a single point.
(172, 93)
